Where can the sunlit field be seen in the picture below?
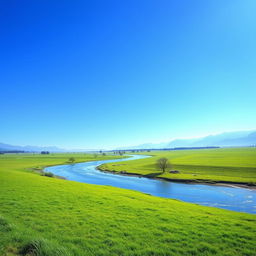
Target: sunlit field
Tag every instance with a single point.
(49, 216)
(220, 165)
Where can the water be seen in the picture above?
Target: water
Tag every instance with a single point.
(236, 199)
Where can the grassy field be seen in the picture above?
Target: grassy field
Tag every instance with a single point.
(226, 165)
(46, 216)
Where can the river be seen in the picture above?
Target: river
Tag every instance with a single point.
(231, 198)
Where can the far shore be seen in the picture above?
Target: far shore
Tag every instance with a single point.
(188, 181)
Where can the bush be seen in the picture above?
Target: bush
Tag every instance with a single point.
(71, 159)
(48, 174)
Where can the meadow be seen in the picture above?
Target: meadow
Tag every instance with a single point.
(236, 165)
(46, 216)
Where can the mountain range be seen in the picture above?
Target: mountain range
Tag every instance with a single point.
(7, 147)
(227, 139)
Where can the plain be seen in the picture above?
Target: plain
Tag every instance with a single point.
(230, 165)
(48, 216)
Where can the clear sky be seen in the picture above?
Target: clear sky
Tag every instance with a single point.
(102, 74)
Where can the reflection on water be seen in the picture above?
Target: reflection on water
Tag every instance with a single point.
(163, 187)
(236, 199)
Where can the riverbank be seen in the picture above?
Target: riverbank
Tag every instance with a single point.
(41, 169)
(189, 181)
(233, 167)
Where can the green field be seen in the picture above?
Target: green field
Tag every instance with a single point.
(53, 217)
(219, 165)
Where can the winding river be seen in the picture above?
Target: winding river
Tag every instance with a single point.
(231, 198)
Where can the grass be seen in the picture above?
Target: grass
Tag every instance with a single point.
(236, 165)
(46, 216)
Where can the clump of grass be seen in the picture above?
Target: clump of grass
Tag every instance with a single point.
(42, 247)
(48, 174)
(5, 226)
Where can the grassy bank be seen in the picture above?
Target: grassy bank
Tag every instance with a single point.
(47, 216)
(236, 165)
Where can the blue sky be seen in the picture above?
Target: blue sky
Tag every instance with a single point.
(102, 74)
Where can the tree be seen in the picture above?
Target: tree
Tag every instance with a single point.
(163, 163)
(71, 159)
(45, 152)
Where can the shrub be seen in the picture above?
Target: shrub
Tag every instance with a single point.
(48, 174)
(71, 159)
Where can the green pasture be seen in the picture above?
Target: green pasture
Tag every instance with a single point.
(219, 165)
(46, 216)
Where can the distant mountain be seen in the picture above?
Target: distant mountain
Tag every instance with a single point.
(227, 139)
(7, 147)
(250, 139)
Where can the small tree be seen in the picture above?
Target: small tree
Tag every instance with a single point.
(71, 159)
(163, 163)
(45, 152)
